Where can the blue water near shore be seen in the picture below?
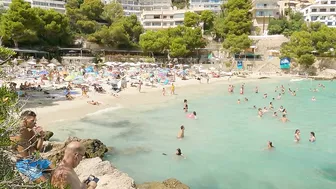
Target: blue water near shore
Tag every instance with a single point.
(225, 146)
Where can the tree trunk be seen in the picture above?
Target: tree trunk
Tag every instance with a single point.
(16, 44)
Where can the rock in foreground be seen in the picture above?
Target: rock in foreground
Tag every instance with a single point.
(109, 176)
(167, 184)
(94, 148)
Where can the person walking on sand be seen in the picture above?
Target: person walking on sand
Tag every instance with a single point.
(172, 89)
(140, 84)
(163, 91)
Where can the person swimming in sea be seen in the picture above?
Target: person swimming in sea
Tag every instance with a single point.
(246, 99)
(192, 115)
(242, 90)
(284, 118)
(275, 114)
(180, 134)
(265, 95)
(238, 101)
(256, 90)
(254, 107)
(281, 109)
(185, 107)
(271, 105)
(260, 113)
(279, 96)
(297, 135)
(313, 99)
(270, 145)
(265, 110)
(312, 137)
(179, 153)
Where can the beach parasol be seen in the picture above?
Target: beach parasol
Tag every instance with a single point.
(43, 72)
(108, 63)
(51, 65)
(31, 62)
(43, 61)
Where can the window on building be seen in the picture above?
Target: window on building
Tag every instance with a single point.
(323, 18)
(156, 16)
(156, 24)
(323, 10)
(330, 23)
(332, 10)
(307, 11)
(171, 17)
(332, 2)
(314, 18)
(314, 10)
(164, 17)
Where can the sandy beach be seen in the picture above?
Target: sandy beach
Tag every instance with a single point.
(51, 111)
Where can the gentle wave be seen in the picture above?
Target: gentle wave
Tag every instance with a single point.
(99, 112)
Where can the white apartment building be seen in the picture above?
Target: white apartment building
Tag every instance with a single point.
(137, 6)
(153, 20)
(201, 5)
(57, 5)
(294, 5)
(263, 11)
(323, 11)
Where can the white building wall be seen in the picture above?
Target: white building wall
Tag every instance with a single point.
(162, 19)
(323, 11)
(201, 5)
(58, 6)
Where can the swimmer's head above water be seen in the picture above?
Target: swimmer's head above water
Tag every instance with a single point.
(178, 152)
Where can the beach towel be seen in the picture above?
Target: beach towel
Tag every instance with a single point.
(32, 168)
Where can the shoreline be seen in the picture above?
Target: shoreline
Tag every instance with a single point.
(60, 111)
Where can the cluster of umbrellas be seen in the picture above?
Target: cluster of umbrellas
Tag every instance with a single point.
(128, 64)
(43, 61)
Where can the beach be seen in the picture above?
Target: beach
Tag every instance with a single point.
(71, 110)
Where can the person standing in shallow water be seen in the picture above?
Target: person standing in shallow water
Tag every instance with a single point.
(180, 134)
(297, 135)
(185, 107)
(312, 137)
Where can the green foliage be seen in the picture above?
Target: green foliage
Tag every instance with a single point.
(235, 20)
(113, 12)
(5, 55)
(286, 27)
(208, 17)
(19, 23)
(191, 19)
(179, 41)
(237, 43)
(306, 59)
(180, 4)
(23, 24)
(124, 33)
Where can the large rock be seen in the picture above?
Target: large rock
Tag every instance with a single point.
(94, 148)
(109, 176)
(48, 135)
(167, 184)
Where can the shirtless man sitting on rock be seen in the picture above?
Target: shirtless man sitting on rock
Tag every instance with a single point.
(27, 142)
(64, 176)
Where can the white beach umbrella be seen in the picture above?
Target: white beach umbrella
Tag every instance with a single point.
(109, 63)
(31, 62)
(51, 65)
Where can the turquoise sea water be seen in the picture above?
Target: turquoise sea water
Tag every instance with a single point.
(225, 146)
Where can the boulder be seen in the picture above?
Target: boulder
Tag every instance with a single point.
(48, 135)
(109, 176)
(94, 148)
(167, 184)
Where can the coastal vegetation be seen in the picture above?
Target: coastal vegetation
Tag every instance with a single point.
(314, 39)
(286, 25)
(233, 25)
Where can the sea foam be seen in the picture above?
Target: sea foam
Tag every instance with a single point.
(105, 110)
